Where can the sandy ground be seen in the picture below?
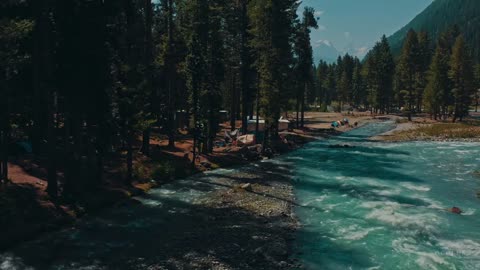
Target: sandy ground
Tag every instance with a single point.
(318, 120)
(401, 127)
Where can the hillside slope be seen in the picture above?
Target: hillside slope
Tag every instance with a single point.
(440, 15)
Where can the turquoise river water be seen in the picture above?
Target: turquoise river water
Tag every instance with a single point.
(372, 206)
(382, 205)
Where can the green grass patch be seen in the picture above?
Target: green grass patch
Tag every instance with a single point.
(439, 131)
(449, 131)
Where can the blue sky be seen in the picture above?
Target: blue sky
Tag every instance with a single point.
(354, 26)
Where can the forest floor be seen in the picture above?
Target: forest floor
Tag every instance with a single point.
(26, 210)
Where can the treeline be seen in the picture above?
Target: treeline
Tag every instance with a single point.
(439, 78)
(83, 80)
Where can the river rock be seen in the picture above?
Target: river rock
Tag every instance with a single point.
(247, 187)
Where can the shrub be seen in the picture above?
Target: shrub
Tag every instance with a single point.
(140, 172)
(164, 171)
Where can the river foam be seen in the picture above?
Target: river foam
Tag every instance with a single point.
(387, 204)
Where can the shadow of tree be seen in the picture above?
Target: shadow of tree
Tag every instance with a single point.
(25, 212)
(172, 230)
(169, 230)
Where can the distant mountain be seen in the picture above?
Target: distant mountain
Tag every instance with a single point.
(324, 50)
(438, 17)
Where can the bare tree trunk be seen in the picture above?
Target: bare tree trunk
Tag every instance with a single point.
(265, 139)
(297, 111)
(146, 141)
(39, 50)
(244, 67)
(211, 132)
(4, 135)
(303, 107)
(5, 141)
(149, 66)
(195, 133)
(233, 105)
(129, 158)
(52, 187)
(171, 79)
(476, 102)
(257, 123)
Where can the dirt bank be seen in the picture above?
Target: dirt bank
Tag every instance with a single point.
(265, 198)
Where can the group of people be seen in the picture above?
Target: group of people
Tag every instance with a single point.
(344, 122)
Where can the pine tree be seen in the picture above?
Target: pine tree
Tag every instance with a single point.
(196, 71)
(407, 72)
(344, 86)
(13, 59)
(477, 87)
(437, 84)
(322, 74)
(170, 72)
(149, 65)
(272, 29)
(214, 62)
(387, 67)
(461, 74)
(372, 82)
(378, 70)
(424, 60)
(344, 83)
(246, 59)
(303, 50)
(358, 88)
(435, 96)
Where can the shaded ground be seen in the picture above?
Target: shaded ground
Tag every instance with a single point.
(204, 222)
(27, 211)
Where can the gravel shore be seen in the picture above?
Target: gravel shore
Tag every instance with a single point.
(259, 200)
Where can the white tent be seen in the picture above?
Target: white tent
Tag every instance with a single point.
(253, 122)
(283, 124)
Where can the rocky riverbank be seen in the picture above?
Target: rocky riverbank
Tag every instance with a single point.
(259, 202)
(249, 220)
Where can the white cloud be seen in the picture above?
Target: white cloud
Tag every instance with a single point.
(360, 52)
(322, 27)
(323, 41)
(319, 13)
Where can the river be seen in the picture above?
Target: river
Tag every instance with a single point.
(371, 206)
(382, 205)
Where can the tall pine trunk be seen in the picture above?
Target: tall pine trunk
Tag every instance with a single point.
(297, 110)
(195, 119)
(257, 122)
(129, 158)
(233, 105)
(171, 79)
(52, 187)
(4, 131)
(39, 50)
(149, 66)
(244, 62)
(302, 117)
